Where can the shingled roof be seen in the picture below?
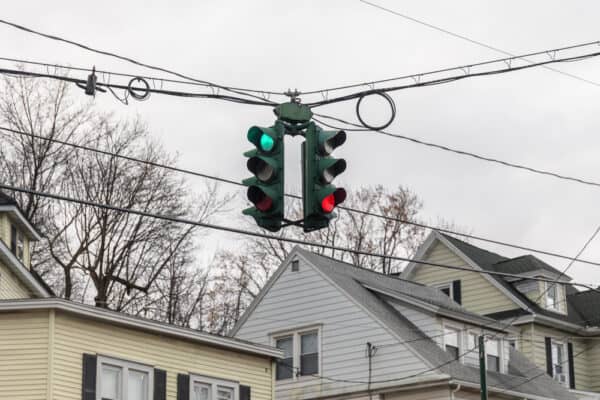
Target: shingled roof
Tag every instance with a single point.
(357, 282)
(580, 309)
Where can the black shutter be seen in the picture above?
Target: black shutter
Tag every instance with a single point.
(571, 366)
(183, 387)
(456, 292)
(244, 392)
(549, 368)
(88, 380)
(160, 384)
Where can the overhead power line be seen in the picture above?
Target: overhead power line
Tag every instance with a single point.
(453, 78)
(239, 91)
(269, 236)
(348, 209)
(461, 152)
(17, 72)
(477, 42)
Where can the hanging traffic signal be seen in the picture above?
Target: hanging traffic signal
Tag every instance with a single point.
(320, 197)
(265, 189)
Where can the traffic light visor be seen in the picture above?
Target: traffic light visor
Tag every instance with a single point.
(263, 138)
(259, 198)
(331, 167)
(329, 140)
(261, 168)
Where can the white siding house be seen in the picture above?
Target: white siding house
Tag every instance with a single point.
(352, 333)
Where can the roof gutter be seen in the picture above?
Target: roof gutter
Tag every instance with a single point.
(516, 394)
(553, 322)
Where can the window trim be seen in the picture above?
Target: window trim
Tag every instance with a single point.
(448, 286)
(214, 383)
(125, 365)
(565, 361)
(560, 302)
(296, 348)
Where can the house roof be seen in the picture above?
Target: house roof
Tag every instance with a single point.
(129, 321)
(358, 283)
(6, 199)
(521, 265)
(28, 277)
(9, 204)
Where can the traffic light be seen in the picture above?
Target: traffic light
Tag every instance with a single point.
(265, 189)
(320, 197)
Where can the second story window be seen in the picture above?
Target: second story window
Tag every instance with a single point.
(301, 356)
(492, 350)
(207, 388)
(285, 366)
(552, 297)
(451, 341)
(558, 359)
(309, 353)
(17, 244)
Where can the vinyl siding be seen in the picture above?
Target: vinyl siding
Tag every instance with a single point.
(478, 294)
(23, 355)
(306, 298)
(10, 286)
(533, 346)
(74, 336)
(593, 357)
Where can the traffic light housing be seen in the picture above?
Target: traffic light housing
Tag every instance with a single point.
(320, 197)
(265, 189)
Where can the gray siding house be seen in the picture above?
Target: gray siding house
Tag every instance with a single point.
(350, 333)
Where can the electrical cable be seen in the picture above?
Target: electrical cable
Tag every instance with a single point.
(464, 153)
(257, 234)
(449, 79)
(129, 88)
(272, 237)
(348, 209)
(482, 44)
(239, 91)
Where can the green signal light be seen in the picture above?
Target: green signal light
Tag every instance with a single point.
(266, 142)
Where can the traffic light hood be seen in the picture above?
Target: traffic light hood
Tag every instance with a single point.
(330, 140)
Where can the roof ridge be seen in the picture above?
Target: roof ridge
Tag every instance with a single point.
(347, 264)
(472, 245)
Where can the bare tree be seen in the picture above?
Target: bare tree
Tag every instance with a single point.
(239, 276)
(116, 259)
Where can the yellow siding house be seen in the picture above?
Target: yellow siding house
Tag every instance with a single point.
(56, 349)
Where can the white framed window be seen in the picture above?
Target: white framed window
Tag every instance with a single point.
(555, 297)
(301, 353)
(446, 288)
(207, 388)
(559, 359)
(492, 354)
(123, 380)
(452, 341)
(17, 242)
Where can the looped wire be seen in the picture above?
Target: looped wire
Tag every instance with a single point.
(135, 92)
(390, 101)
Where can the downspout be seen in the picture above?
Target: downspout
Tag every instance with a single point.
(452, 392)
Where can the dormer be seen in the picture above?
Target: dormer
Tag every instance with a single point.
(548, 295)
(16, 232)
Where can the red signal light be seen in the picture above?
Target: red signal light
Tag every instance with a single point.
(328, 203)
(264, 204)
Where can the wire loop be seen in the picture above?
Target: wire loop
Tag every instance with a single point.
(134, 92)
(387, 98)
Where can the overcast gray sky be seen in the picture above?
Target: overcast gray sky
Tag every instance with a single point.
(533, 117)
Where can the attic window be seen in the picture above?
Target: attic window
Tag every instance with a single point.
(16, 242)
(295, 266)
